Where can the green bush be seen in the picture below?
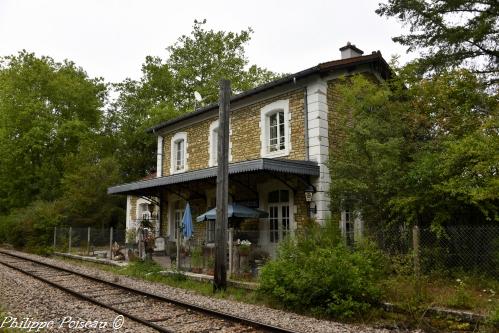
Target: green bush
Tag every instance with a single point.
(316, 271)
(31, 227)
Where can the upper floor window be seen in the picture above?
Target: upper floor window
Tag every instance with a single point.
(275, 132)
(179, 153)
(213, 144)
(213, 140)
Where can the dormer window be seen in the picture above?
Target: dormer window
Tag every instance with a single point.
(275, 133)
(179, 153)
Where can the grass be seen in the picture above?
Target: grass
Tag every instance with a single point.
(471, 293)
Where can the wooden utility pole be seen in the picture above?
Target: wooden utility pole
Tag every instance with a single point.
(220, 278)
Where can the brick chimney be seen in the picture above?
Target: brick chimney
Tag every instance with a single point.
(350, 51)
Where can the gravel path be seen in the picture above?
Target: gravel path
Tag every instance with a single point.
(39, 303)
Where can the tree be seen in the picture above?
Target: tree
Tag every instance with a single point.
(46, 110)
(418, 151)
(199, 61)
(450, 33)
(196, 62)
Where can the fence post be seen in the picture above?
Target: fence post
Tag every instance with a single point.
(178, 248)
(111, 243)
(88, 241)
(231, 231)
(55, 238)
(69, 243)
(417, 260)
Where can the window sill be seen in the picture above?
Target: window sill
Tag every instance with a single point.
(279, 153)
(172, 172)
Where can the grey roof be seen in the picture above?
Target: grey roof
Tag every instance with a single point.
(306, 168)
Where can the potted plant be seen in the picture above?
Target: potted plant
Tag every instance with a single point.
(244, 247)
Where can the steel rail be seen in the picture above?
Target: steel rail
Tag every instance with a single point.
(212, 312)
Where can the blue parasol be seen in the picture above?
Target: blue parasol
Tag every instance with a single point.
(187, 222)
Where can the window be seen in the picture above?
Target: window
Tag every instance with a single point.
(279, 220)
(213, 140)
(275, 131)
(213, 144)
(349, 228)
(210, 231)
(179, 153)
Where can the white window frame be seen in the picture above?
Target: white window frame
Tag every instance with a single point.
(173, 156)
(265, 113)
(281, 232)
(210, 231)
(213, 144)
(213, 149)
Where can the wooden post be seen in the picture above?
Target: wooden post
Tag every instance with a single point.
(88, 241)
(55, 237)
(111, 243)
(69, 243)
(220, 278)
(231, 254)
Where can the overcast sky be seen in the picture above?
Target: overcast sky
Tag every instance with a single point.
(111, 38)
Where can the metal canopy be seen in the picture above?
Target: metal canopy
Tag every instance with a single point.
(304, 168)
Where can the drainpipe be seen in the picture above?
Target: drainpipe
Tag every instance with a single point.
(159, 157)
(305, 118)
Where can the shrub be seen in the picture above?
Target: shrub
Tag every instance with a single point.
(31, 227)
(315, 270)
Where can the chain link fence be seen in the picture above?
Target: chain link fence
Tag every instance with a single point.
(87, 241)
(473, 249)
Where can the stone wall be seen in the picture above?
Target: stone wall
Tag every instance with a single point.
(245, 134)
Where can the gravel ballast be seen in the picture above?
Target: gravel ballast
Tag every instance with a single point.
(38, 301)
(22, 296)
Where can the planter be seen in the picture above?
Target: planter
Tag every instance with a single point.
(244, 251)
(197, 270)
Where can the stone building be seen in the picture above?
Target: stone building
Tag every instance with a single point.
(281, 137)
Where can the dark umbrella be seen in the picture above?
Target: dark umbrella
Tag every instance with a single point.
(234, 210)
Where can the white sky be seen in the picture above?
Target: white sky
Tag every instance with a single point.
(111, 38)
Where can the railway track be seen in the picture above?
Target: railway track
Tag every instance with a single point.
(155, 311)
